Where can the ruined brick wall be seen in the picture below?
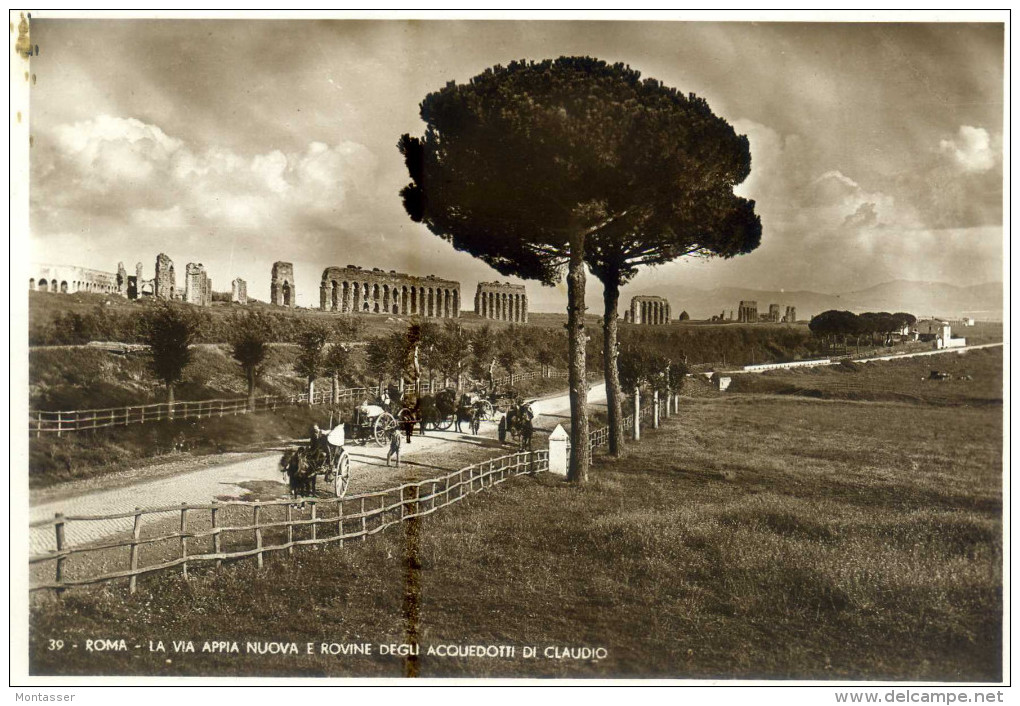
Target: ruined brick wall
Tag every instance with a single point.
(282, 291)
(122, 279)
(791, 315)
(239, 291)
(197, 287)
(354, 289)
(165, 282)
(502, 301)
(650, 310)
(774, 313)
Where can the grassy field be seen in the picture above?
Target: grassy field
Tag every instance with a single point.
(976, 380)
(754, 536)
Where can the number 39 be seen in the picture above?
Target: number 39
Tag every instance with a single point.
(56, 645)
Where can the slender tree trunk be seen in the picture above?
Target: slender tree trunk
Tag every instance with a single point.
(580, 452)
(610, 353)
(170, 400)
(251, 390)
(336, 388)
(311, 389)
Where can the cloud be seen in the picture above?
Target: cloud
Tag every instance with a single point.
(129, 171)
(971, 149)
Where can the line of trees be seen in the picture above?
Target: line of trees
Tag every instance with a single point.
(840, 326)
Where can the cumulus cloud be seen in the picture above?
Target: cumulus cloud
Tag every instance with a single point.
(829, 230)
(971, 149)
(127, 170)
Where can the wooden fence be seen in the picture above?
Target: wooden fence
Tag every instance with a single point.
(43, 422)
(212, 533)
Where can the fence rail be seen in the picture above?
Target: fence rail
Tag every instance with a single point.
(203, 536)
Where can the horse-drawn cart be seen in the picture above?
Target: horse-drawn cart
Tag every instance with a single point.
(325, 457)
(372, 423)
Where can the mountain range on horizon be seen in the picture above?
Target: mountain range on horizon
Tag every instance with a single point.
(922, 299)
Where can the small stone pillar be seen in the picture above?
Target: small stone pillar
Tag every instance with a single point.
(655, 409)
(637, 414)
(558, 451)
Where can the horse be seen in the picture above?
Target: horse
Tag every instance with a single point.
(469, 410)
(434, 409)
(517, 421)
(300, 471)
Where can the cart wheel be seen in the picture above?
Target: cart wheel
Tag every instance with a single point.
(385, 425)
(342, 474)
(486, 411)
(444, 423)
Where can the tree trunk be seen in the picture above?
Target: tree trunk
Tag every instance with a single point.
(311, 389)
(610, 353)
(170, 400)
(336, 388)
(637, 413)
(580, 451)
(251, 390)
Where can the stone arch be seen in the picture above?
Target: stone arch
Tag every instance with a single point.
(44, 286)
(285, 289)
(31, 284)
(334, 295)
(63, 287)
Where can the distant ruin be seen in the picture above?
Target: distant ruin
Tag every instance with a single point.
(197, 286)
(239, 291)
(70, 280)
(353, 289)
(747, 312)
(502, 301)
(282, 291)
(165, 282)
(773, 316)
(653, 311)
(791, 315)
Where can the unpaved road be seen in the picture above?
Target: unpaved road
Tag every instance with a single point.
(259, 478)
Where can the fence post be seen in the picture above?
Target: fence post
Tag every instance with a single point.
(655, 409)
(637, 414)
(315, 525)
(290, 529)
(38, 426)
(184, 539)
(258, 531)
(136, 532)
(58, 526)
(216, 535)
(364, 523)
(60, 420)
(340, 520)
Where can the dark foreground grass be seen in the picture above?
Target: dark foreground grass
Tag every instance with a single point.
(751, 537)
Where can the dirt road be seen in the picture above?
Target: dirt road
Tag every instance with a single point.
(259, 478)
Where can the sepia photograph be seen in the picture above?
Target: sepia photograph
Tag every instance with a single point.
(500, 348)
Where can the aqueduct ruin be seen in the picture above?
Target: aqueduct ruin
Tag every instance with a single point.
(282, 291)
(649, 310)
(502, 301)
(353, 289)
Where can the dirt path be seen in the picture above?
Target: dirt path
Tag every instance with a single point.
(258, 477)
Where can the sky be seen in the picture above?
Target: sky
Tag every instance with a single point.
(876, 148)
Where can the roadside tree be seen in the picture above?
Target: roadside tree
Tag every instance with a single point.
(168, 329)
(525, 165)
(250, 334)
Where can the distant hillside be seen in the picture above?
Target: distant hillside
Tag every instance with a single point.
(982, 301)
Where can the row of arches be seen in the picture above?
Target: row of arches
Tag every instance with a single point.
(502, 306)
(65, 287)
(365, 297)
(650, 312)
